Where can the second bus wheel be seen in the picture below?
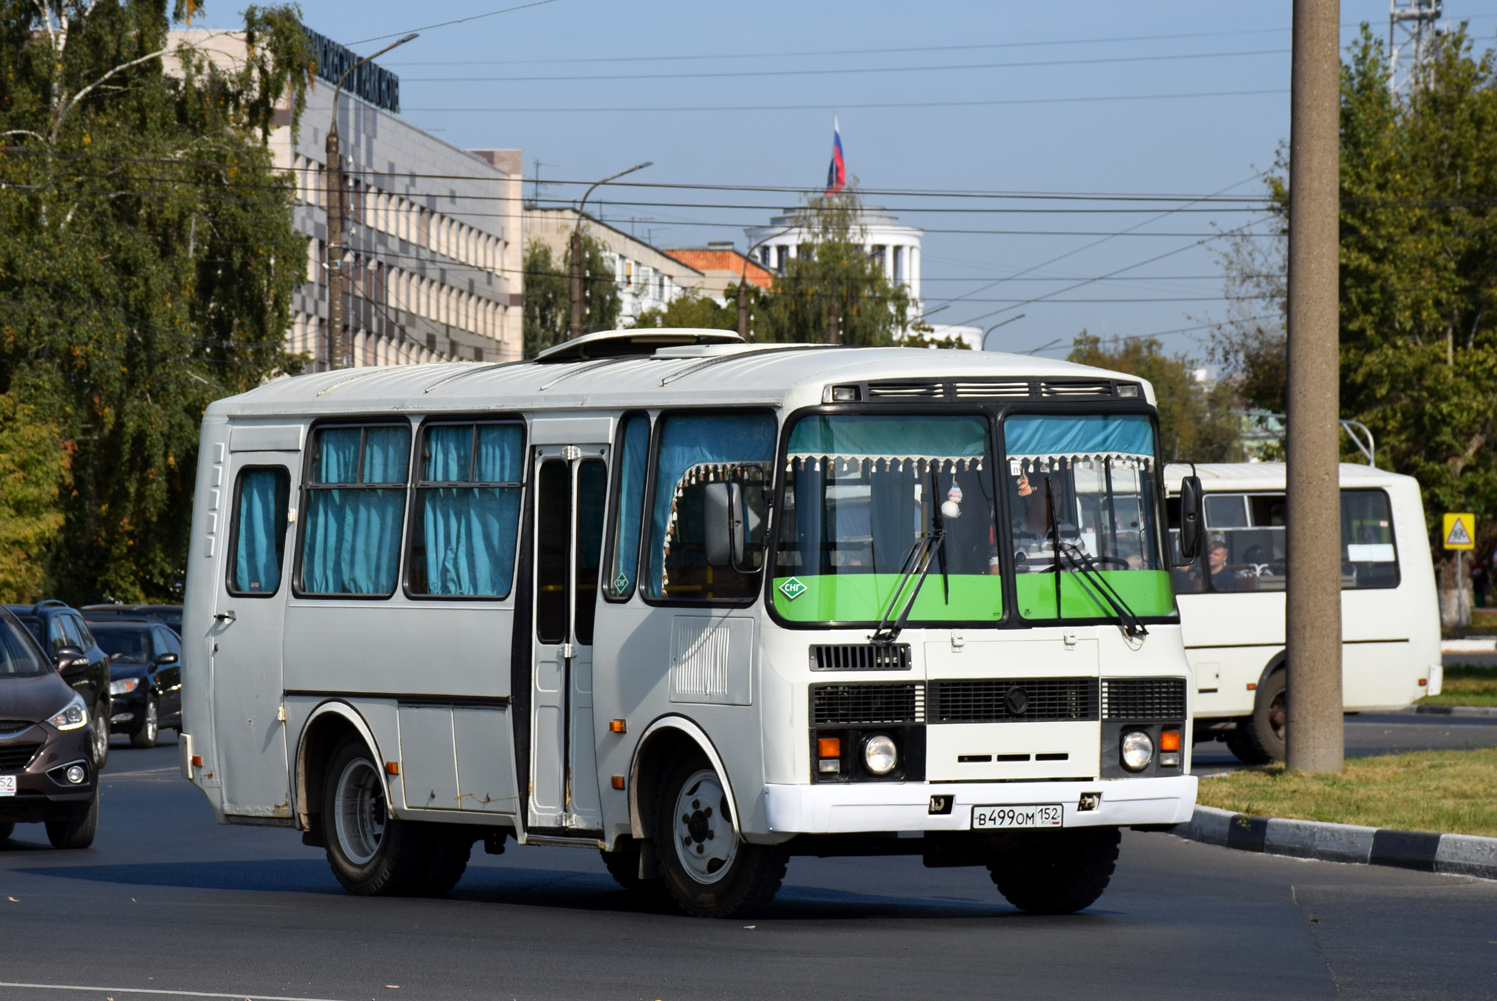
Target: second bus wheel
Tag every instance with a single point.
(1057, 872)
(1266, 729)
(370, 853)
(709, 870)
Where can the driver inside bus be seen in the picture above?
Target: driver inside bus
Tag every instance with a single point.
(1033, 500)
(1222, 579)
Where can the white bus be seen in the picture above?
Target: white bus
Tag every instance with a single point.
(1232, 601)
(700, 604)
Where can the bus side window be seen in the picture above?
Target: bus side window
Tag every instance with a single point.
(467, 513)
(355, 509)
(694, 450)
(633, 457)
(258, 550)
(1368, 556)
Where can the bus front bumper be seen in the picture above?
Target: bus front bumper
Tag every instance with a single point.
(858, 807)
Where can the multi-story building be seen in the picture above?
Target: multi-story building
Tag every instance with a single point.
(647, 278)
(433, 231)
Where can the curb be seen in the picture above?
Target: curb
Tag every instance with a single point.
(1488, 712)
(1452, 854)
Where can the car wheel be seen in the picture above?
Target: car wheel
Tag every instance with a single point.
(370, 852)
(6, 830)
(78, 830)
(101, 736)
(150, 725)
(709, 869)
(1057, 872)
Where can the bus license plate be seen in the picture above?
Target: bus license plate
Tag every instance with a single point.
(990, 817)
(7, 785)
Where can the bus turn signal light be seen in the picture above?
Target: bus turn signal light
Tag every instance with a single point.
(1169, 740)
(829, 747)
(618, 726)
(618, 782)
(197, 761)
(392, 767)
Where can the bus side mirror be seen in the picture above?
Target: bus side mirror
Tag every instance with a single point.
(717, 523)
(1190, 519)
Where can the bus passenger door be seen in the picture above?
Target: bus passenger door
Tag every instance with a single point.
(571, 485)
(249, 613)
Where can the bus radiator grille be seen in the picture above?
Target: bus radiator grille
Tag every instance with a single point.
(860, 657)
(872, 704)
(1143, 698)
(1013, 700)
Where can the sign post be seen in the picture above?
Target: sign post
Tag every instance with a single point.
(1459, 534)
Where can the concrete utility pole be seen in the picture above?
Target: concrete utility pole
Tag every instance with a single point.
(576, 248)
(1313, 601)
(337, 222)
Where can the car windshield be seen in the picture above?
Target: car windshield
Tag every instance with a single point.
(1081, 492)
(19, 657)
(861, 493)
(124, 646)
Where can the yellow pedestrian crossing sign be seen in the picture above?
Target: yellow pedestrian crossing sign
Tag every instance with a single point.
(1460, 531)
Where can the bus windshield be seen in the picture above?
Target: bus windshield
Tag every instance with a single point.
(861, 492)
(1084, 527)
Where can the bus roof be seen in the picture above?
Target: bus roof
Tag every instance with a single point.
(704, 374)
(1227, 476)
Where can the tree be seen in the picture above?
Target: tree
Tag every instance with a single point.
(34, 464)
(1418, 257)
(147, 260)
(547, 310)
(832, 280)
(1195, 419)
(692, 310)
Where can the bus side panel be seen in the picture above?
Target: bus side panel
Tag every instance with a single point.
(204, 566)
(1241, 633)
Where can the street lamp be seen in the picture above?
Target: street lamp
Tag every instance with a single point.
(577, 246)
(743, 317)
(337, 207)
(995, 326)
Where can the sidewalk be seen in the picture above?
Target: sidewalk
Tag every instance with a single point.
(1453, 854)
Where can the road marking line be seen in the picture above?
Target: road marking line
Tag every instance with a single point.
(153, 990)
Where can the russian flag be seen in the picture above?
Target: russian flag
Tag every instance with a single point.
(836, 174)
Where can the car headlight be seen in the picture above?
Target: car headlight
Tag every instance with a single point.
(880, 755)
(72, 716)
(1137, 750)
(124, 686)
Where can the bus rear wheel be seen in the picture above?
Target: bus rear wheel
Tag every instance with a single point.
(1266, 730)
(370, 853)
(709, 870)
(1056, 872)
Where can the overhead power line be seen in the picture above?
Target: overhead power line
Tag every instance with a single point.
(448, 24)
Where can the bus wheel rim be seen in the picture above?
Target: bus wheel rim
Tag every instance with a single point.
(706, 844)
(360, 814)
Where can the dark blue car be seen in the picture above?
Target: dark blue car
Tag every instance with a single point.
(145, 671)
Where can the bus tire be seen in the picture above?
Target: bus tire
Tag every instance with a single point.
(709, 870)
(1267, 727)
(1056, 872)
(370, 853)
(1245, 750)
(449, 847)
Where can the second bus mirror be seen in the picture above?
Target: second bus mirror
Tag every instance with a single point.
(718, 523)
(1190, 519)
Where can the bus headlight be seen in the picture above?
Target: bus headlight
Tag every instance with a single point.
(880, 755)
(1137, 750)
(72, 716)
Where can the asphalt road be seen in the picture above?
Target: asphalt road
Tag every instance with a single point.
(169, 902)
(1369, 734)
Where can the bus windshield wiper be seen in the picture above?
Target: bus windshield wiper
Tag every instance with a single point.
(917, 565)
(1082, 563)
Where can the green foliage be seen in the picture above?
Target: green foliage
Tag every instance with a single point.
(691, 310)
(1418, 275)
(147, 260)
(1195, 422)
(34, 465)
(832, 273)
(922, 336)
(547, 311)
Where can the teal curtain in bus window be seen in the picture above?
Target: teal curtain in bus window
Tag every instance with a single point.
(353, 541)
(634, 447)
(260, 530)
(469, 531)
(385, 455)
(338, 455)
(688, 440)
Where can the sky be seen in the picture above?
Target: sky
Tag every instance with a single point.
(979, 122)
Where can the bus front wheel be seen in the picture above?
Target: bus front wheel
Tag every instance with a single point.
(709, 870)
(1265, 732)
(1056, 872)
(370, 853)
